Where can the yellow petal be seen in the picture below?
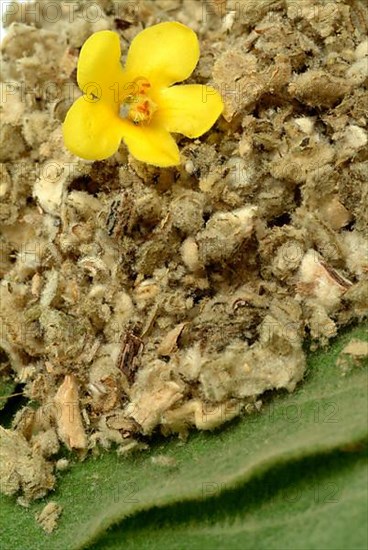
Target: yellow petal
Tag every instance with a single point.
(152, 144)
(189, 109)
(99, 70)
(164, 54)
(92, 130)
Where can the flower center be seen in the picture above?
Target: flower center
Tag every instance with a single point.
(137, 106)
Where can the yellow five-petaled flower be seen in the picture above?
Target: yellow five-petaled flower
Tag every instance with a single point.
(139, 103)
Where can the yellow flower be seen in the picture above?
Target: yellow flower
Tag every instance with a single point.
(139, 103)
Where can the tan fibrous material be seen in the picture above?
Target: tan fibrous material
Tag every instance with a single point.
(138, 300)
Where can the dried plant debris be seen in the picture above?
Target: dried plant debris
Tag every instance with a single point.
(68, 416)
(354, 354)
(23, 467)
(49, 516)
(137, 300)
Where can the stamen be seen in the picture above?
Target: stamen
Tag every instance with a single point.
(138, 107)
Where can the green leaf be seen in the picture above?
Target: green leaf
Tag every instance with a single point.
(216, 474)
(320, 502)
(6, 389)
